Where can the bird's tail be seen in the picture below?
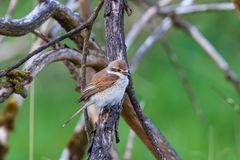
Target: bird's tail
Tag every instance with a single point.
(75, 114)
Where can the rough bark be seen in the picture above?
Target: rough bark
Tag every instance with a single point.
(115, 49)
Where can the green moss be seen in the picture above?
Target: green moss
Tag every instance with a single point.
(16, 79)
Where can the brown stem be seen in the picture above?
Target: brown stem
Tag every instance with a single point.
(88, 127)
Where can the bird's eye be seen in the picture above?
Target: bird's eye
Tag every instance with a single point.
(119, 70)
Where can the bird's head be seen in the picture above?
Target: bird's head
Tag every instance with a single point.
(118, 67)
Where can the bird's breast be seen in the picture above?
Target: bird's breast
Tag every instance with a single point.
(112, 95)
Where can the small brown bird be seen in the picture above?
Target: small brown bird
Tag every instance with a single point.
(106, 88)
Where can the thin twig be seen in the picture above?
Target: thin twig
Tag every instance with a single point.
(58, 39)
(56, 27)
(88, 127)
(75, 75)
(11, 8)
(196, 8)
(138, 26)
(40, 35)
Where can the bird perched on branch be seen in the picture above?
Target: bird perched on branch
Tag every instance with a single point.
(106, 88)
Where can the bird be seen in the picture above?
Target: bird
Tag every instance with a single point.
(106, 88)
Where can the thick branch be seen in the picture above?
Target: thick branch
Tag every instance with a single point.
(114, 28)
(115, 49)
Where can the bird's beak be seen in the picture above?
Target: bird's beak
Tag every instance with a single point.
(126, 73)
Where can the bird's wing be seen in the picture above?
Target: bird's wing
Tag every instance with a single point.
(99, 82)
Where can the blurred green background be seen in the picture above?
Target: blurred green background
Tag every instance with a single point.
(217, 137)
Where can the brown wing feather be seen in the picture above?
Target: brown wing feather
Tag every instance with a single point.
(102, 80)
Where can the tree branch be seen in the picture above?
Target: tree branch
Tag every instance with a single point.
(44, 59)
(195, 8)
(88, 127)
(58, 39)
(157, 34)
(38, 16)
(115, 49)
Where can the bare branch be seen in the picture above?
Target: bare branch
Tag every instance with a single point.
(56, 27)
(210, 50)
(11, 8)
(78, 142)
(157, 34)
(19, 27)
(58, 39)
(115, 49)
(75, 75)
(44, 59)
(195, 8)
(159, 31)
(45, 10)
(138, 26)
(83, 80)
(164, 151)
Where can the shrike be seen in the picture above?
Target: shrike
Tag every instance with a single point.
(106, 88)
